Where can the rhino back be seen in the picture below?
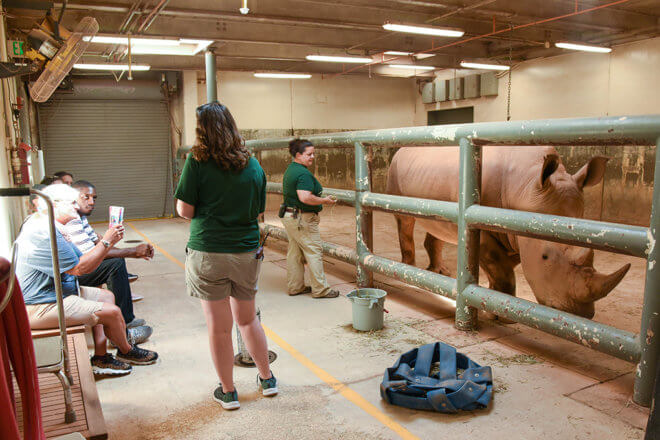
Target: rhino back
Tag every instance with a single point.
(432, 173)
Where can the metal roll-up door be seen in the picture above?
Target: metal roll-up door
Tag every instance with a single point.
(121, 146)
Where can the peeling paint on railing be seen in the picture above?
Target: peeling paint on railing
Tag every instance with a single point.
(601, 337)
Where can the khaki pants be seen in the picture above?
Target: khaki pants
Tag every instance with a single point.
(304, 242)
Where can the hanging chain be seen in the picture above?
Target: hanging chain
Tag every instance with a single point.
(508, 93)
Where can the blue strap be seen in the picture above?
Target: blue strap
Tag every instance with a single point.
(409, 382)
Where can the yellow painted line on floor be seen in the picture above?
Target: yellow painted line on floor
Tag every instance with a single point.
(326, 377)
(341, 387)
(158, 248)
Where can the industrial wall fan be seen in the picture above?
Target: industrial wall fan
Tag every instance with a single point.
(56, 50)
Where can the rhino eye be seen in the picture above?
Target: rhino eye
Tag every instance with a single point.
(545, 256)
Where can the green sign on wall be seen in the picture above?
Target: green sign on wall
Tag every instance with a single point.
(16, 48)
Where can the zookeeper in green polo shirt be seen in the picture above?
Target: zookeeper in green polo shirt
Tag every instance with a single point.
(222, 190)
(302, 196)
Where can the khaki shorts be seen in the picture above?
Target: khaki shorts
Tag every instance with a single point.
(78, 310)
(212, 276)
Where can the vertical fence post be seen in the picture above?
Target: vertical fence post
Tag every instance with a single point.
(363, 217)
(468, 238)
(649, 336)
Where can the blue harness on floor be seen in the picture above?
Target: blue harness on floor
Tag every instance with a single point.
(458, 384)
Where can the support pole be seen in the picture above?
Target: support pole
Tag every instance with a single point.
(363, 217)
(649, 337)
(468, 238)
(211, 85)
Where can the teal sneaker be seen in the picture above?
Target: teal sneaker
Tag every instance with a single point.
(228, 401)
(268, 386)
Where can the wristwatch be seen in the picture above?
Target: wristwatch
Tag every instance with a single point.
(106, 243)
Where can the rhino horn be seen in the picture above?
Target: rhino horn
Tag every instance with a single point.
(584, 257)
(600, 285)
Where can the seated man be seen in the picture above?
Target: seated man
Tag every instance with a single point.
(65, 176)
(112, 271)
(94, 307)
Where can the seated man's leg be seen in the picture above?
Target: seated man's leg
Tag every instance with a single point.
(112, 322)
(113, 273)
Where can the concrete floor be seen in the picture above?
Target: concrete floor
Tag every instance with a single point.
(545, 387)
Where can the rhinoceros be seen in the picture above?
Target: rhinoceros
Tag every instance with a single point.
(522, 178)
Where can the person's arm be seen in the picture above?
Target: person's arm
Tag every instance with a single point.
(92, 259)
(187, 191)
(145, 251)
(304, 186)
(310, 199)
(185, 210)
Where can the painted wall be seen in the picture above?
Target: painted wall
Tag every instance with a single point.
(272, 108)
(624, 82)
(346, 102)
(572, 85)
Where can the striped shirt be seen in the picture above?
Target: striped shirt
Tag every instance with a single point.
(80, 233)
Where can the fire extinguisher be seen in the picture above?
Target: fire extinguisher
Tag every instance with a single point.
(21, 165)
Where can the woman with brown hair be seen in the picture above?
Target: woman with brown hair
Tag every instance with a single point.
(222, 191)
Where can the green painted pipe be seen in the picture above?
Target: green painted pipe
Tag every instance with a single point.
(341, 253)
(650, 326)
(431, 281)
(618, 343)
(615, 130)
(611, 237)
(467, 252)
(434, 209)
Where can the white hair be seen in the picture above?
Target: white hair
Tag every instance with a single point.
(62, 196)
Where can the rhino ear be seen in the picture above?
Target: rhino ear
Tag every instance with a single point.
(592, 173)
(550, 165)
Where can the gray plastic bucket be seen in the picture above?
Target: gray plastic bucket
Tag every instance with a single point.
(368, 307)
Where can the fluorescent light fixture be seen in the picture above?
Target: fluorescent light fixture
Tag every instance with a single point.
(410, 67)
(103, 39)
(583, 47)
(334, 59)
(419, 56)
(485, 66)
(396, 52)
(134, 67)
(423, 30)
(201, 44)
(162, 50)
(283, 75)
(155, 46)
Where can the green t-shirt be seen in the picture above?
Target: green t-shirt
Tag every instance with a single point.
(226, 203)
(297, 177)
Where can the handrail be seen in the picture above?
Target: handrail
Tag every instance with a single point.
(611, 130)
(471, 217)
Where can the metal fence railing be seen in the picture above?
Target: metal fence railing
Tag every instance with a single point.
(471, 217)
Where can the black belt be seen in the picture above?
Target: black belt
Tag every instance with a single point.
(291, 210)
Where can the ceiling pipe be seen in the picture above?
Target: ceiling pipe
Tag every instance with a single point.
(232, 16)
(152, 16)
(459, 10)
(129, 17)
(501, 31)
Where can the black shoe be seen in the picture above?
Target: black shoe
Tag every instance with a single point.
(109, 365)
(132, 277)
(138, 356)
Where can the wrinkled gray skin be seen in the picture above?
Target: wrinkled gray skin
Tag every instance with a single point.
(521, 178)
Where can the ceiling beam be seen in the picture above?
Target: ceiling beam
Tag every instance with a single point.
(207, 14)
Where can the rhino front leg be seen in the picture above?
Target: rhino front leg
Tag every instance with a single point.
(406, 227)
(498, 266)
(434, 246)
